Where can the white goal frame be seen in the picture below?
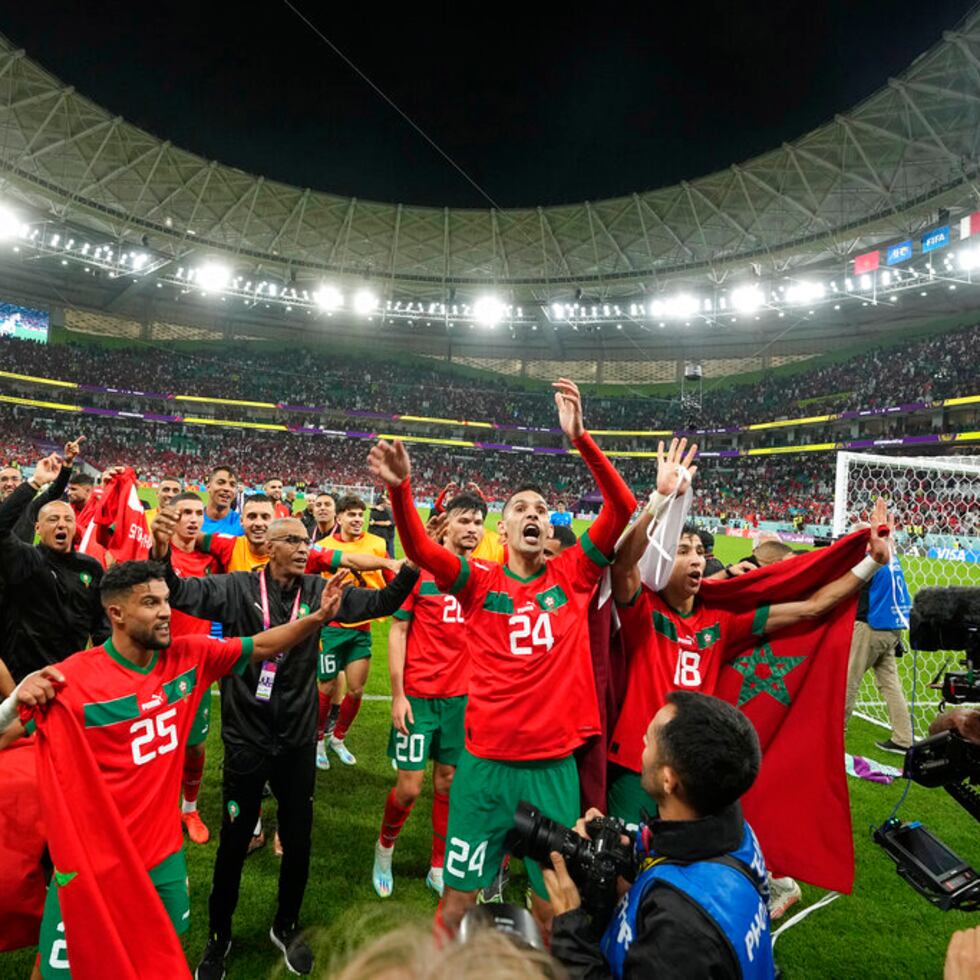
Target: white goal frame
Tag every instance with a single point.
(851, 503)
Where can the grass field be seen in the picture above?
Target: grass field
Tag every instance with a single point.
(883, 930)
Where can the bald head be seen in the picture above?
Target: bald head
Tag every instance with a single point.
(56, 526)
(289, 546)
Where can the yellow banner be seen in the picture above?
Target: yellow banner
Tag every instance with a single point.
(39, 381)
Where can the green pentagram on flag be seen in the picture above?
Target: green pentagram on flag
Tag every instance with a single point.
(763, 672)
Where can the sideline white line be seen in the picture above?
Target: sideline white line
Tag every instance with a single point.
(801, 915)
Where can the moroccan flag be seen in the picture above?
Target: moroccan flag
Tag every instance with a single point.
(21, 847)
(118, 522)
(115, 924)
(792, 687)
(83, 519)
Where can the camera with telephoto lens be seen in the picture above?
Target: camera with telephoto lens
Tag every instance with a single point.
(595, 864)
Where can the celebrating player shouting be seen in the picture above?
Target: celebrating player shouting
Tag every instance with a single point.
(135, 698)
(678, 641)
(532, 697)
(428, 658)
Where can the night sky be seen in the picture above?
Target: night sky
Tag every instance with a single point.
(540, 103)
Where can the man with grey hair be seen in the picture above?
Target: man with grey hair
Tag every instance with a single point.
(268, 719)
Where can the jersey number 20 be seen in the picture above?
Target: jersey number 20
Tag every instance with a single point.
(149, 730)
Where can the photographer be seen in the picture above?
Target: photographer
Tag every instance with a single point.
(698, 905)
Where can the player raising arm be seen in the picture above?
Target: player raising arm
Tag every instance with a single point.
(677, 640)
(134, 699)
(532, 697)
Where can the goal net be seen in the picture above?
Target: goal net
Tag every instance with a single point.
(936, 502)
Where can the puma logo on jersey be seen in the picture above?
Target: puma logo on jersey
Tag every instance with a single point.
(686, 641)
(485, 568)
(155, 702)
(527, 607)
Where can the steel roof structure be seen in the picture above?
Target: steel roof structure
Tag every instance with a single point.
(877, 170)
(881, 171)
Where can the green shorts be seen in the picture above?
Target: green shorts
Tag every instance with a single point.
(627, 797)
(340, 647)
(482, 801)
(169, 878)
(437, 733)
(202, 721)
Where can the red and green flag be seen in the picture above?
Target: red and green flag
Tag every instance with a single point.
(792, 687)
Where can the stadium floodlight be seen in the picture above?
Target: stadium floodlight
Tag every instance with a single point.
(328, 298)
(212, 276)
(557, 311)
(681, 306)
(747, 299)
(804, 292)
(968, 258)
(139, 259)
(656, 308)
(865, 281)
(365, 302)
(488, 311)
(9, 224)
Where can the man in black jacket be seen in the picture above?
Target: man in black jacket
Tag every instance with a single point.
(698, 905)
(268, 720)
(51, 593)
(25, 526)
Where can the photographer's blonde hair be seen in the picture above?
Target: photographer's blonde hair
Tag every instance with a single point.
(410, 953)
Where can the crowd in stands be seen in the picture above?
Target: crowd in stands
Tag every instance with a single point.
(786, 488)
(937, 367)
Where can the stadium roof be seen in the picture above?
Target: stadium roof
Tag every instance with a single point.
(881, 170)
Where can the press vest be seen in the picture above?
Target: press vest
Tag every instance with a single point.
(733, 895)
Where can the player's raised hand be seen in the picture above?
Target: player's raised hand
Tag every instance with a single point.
(882, 524)
(40, 687)
(389, 461)
(669, 465)
(72, 449)
(569, 402)
(330, 598)
(163, 530)
(435, 527)
(46, 470)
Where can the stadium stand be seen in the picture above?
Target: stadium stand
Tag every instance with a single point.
(923, 369)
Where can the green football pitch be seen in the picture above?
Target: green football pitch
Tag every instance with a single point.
(882, 930)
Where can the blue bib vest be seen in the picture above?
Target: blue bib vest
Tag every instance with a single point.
(735, 904)
(889, 601)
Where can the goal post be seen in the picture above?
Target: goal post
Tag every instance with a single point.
(936, 503)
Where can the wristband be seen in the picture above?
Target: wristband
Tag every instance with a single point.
(8, 713)
(866, 568)
(656, 505)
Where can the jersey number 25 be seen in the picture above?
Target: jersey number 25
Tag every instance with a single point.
(149, 730)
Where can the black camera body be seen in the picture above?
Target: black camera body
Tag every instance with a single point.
(595, 864)
(942, 619)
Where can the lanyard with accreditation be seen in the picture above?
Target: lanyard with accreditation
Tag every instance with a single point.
(267, 678)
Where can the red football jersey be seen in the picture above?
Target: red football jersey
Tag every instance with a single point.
(532, 691)
(137, 721)
(437, 662)
(670, 651)
(190, 564)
